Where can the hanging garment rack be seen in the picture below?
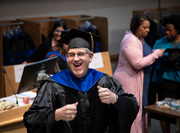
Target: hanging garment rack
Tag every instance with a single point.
(85, 18)
(46, 20)
(9, 24)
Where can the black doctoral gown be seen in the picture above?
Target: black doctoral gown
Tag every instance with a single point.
(92, 115)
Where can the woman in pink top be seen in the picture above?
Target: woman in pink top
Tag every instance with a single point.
(134, 67)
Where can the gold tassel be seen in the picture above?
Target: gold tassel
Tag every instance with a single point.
(92, 42)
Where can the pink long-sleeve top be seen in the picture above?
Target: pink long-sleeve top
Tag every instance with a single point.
(129, 71)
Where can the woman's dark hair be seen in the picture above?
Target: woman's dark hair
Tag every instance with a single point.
(59, 23)
(136, 21)
(172, 19)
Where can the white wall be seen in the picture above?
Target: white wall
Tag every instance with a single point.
(118, 12)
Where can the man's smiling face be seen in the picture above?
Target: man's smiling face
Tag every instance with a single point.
(78, 60)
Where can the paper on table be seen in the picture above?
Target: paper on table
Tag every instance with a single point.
(20, 96)
(9, 98)
(18, 70)
(29, 94)
(97, 61)
(12, 98)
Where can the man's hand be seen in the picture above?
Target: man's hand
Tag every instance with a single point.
(106, 96)
(66, 113)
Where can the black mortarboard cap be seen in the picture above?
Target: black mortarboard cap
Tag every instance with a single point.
(173, 58)
(171, 50)
(63, 32)
(173, 53)
(76, 38)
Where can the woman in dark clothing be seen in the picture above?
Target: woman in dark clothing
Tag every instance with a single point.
(59, 50)
(166, 76)
(50, 43)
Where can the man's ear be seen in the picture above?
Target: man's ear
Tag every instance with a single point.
(91, 57)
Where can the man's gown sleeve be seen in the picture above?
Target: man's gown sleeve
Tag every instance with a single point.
(41, 116)
(127, 104)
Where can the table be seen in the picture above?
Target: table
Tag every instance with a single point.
(159, 112)
(16, 127)
(11, 121)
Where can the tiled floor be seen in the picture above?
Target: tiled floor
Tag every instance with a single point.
(155, 125)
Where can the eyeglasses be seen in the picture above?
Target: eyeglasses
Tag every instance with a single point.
(64, 31)
(59, 31)
(80, 54)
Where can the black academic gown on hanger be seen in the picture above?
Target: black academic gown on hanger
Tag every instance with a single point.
(41, 51)
(92, 115)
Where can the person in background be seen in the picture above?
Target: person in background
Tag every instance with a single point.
(153, 34)
(166, 76)
(60, 50)
(51, 43)
(81, 100)
(134, 67)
